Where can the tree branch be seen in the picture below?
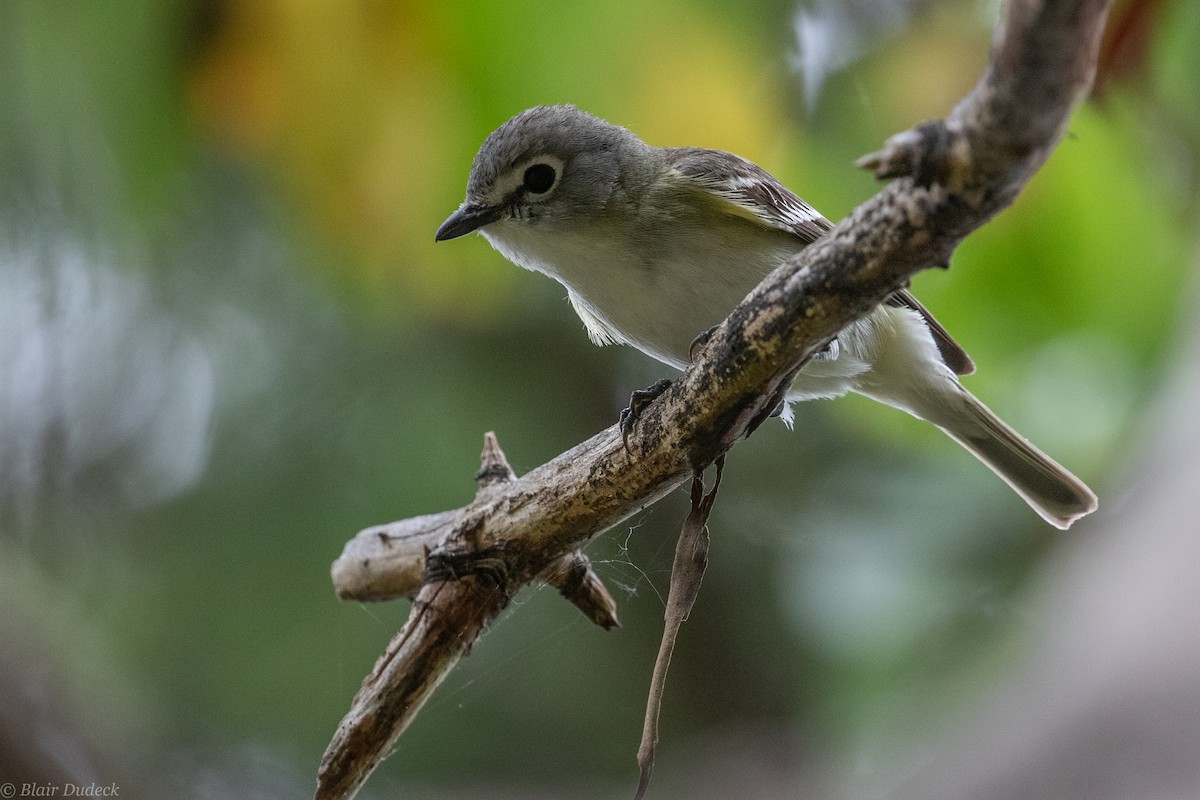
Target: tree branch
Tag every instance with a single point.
(464, 565)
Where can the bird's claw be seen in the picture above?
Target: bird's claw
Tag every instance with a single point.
(638, 400)
(699, 342)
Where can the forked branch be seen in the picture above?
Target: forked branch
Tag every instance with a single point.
(952, 175)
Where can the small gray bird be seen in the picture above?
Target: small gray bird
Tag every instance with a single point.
(656, 245)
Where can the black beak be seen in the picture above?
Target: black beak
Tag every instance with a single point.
(468, 218)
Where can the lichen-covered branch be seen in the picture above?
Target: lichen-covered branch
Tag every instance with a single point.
(953, 175)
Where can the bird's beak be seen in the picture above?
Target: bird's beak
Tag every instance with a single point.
(466, 219)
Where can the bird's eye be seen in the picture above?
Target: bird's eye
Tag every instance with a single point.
(539, 178)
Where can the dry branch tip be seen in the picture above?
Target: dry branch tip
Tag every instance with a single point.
(494, 467)
(577, 581)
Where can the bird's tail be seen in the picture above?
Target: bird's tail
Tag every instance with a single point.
(1048, 487)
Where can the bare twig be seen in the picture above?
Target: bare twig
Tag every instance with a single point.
(954, 175)
(575, 580)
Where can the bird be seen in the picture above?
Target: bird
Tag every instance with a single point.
(656, 245)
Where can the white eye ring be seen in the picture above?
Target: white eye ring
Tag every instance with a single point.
(512, 182)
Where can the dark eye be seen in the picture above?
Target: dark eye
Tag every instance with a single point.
(539, 178)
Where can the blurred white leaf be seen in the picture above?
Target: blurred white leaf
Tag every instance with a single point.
(832, 34)
(101, 388)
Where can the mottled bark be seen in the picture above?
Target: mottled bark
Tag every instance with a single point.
(952, 175)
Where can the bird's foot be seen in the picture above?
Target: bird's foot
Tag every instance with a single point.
(699, 342)
(638, 401)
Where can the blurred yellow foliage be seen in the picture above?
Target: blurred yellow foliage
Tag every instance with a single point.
(367, 114)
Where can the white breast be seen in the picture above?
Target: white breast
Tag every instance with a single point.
(659, 293)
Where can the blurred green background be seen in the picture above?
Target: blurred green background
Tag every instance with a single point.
(228, 342)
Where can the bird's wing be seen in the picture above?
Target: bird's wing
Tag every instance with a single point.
(751, 192)
(953, 355)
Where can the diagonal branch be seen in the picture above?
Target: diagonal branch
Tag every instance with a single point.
(463, 565)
